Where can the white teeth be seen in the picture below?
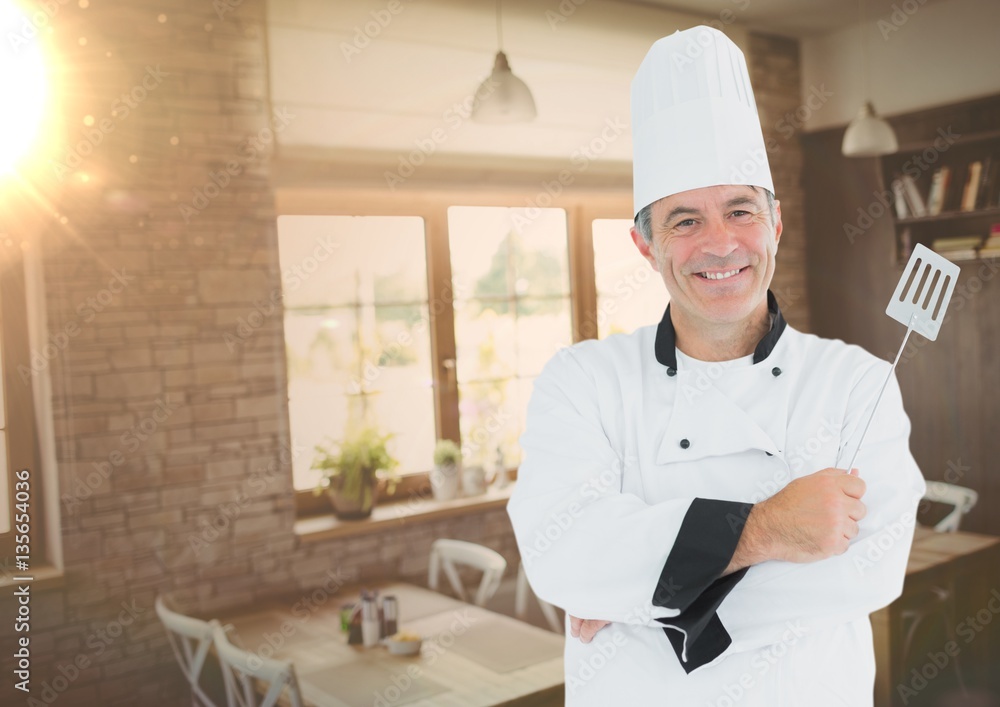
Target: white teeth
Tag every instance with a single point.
(719, 275)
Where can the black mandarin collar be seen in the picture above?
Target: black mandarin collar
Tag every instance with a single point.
(666, 340)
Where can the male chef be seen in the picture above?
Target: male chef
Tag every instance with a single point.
(681, 495)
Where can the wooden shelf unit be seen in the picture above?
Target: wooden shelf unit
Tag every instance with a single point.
(952, 136)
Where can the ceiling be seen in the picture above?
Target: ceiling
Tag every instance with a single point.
(794, 18)
(392, 91)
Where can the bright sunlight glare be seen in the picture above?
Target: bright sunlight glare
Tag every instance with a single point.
(22, 85)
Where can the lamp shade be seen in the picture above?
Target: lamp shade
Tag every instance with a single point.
(503, 98)
(868, 135)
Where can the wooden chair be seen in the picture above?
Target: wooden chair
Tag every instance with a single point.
(190, 640)
(241, 669)
(940, 600)
(521, 593)
(445, 554)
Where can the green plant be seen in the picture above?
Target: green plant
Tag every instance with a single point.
(446, 453)
(352, 466)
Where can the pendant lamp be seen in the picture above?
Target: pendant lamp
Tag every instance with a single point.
(503, 98)
(868, 135)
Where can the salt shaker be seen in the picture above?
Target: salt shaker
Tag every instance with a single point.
(369, 622)
(390, 608)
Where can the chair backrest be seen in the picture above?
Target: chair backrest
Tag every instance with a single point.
(445, 554)
(240, 669)
(522, 591)
(963, 499)
(190, 640)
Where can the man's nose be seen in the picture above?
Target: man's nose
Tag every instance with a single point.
(718, 239)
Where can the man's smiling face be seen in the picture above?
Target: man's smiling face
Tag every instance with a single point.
(714, 248)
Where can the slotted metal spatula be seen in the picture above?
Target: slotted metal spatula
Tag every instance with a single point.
(920, 302)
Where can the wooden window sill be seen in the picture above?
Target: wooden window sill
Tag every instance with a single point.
(389, 516)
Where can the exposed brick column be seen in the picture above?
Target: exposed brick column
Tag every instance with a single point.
(775, 74)
(168, 239)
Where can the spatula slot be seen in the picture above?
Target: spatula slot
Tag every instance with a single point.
(944, 291)
(909, 280)
(932, 288)
(923, 281)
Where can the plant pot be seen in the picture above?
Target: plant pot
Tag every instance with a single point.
(474, 480)
(445, 481)
(354, 506)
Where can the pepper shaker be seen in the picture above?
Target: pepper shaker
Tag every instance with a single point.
(391, 611)
(354, 627)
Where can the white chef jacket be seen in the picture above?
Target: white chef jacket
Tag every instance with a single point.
(640, 467)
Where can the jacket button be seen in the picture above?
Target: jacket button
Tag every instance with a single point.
(775, 371)
(671, 372)
(685, 444)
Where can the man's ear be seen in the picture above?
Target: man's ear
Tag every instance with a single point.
(777, 223)
(644, 248)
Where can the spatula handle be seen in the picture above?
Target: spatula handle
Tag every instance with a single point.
(878, 399)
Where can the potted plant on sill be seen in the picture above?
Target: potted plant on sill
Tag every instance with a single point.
(447, 472)
(351, 471)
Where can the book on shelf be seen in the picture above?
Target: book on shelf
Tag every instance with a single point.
(943, 245)
(959, 255)
(953, 190)
(971, 190)
(987, 182)
(991, 246)
(939, 185)
(914, 200)
(899, 199)
(991, 184)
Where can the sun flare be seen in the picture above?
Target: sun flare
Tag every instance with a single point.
(22, 85)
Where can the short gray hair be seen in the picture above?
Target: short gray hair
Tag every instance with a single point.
(644, 219)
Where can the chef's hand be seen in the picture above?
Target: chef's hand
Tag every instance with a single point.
(585, 629)
(814, 517)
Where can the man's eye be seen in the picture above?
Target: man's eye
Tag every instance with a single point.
(741, 213)
(686, 222)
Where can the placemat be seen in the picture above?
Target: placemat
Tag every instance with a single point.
(506, 645)
(417, 605)
(362, 682)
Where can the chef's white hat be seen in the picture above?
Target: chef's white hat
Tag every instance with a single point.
(694, 120)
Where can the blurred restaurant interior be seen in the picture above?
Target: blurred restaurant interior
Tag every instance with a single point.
(276, 285)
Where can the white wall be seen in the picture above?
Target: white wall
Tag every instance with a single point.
(944, 52)
(432, 54)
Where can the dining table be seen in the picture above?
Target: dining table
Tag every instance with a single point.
(474, 657)
(962, 570)
(470, 656)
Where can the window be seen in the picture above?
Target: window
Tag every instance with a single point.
(510, 275)
(18, 438)
(357, 333)
(430, 313)
(630, 294)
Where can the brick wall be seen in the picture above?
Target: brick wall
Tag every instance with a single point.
(775, 74)
(170, 419)
(171, 436)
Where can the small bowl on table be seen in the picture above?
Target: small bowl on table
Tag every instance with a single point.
(404, 643)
